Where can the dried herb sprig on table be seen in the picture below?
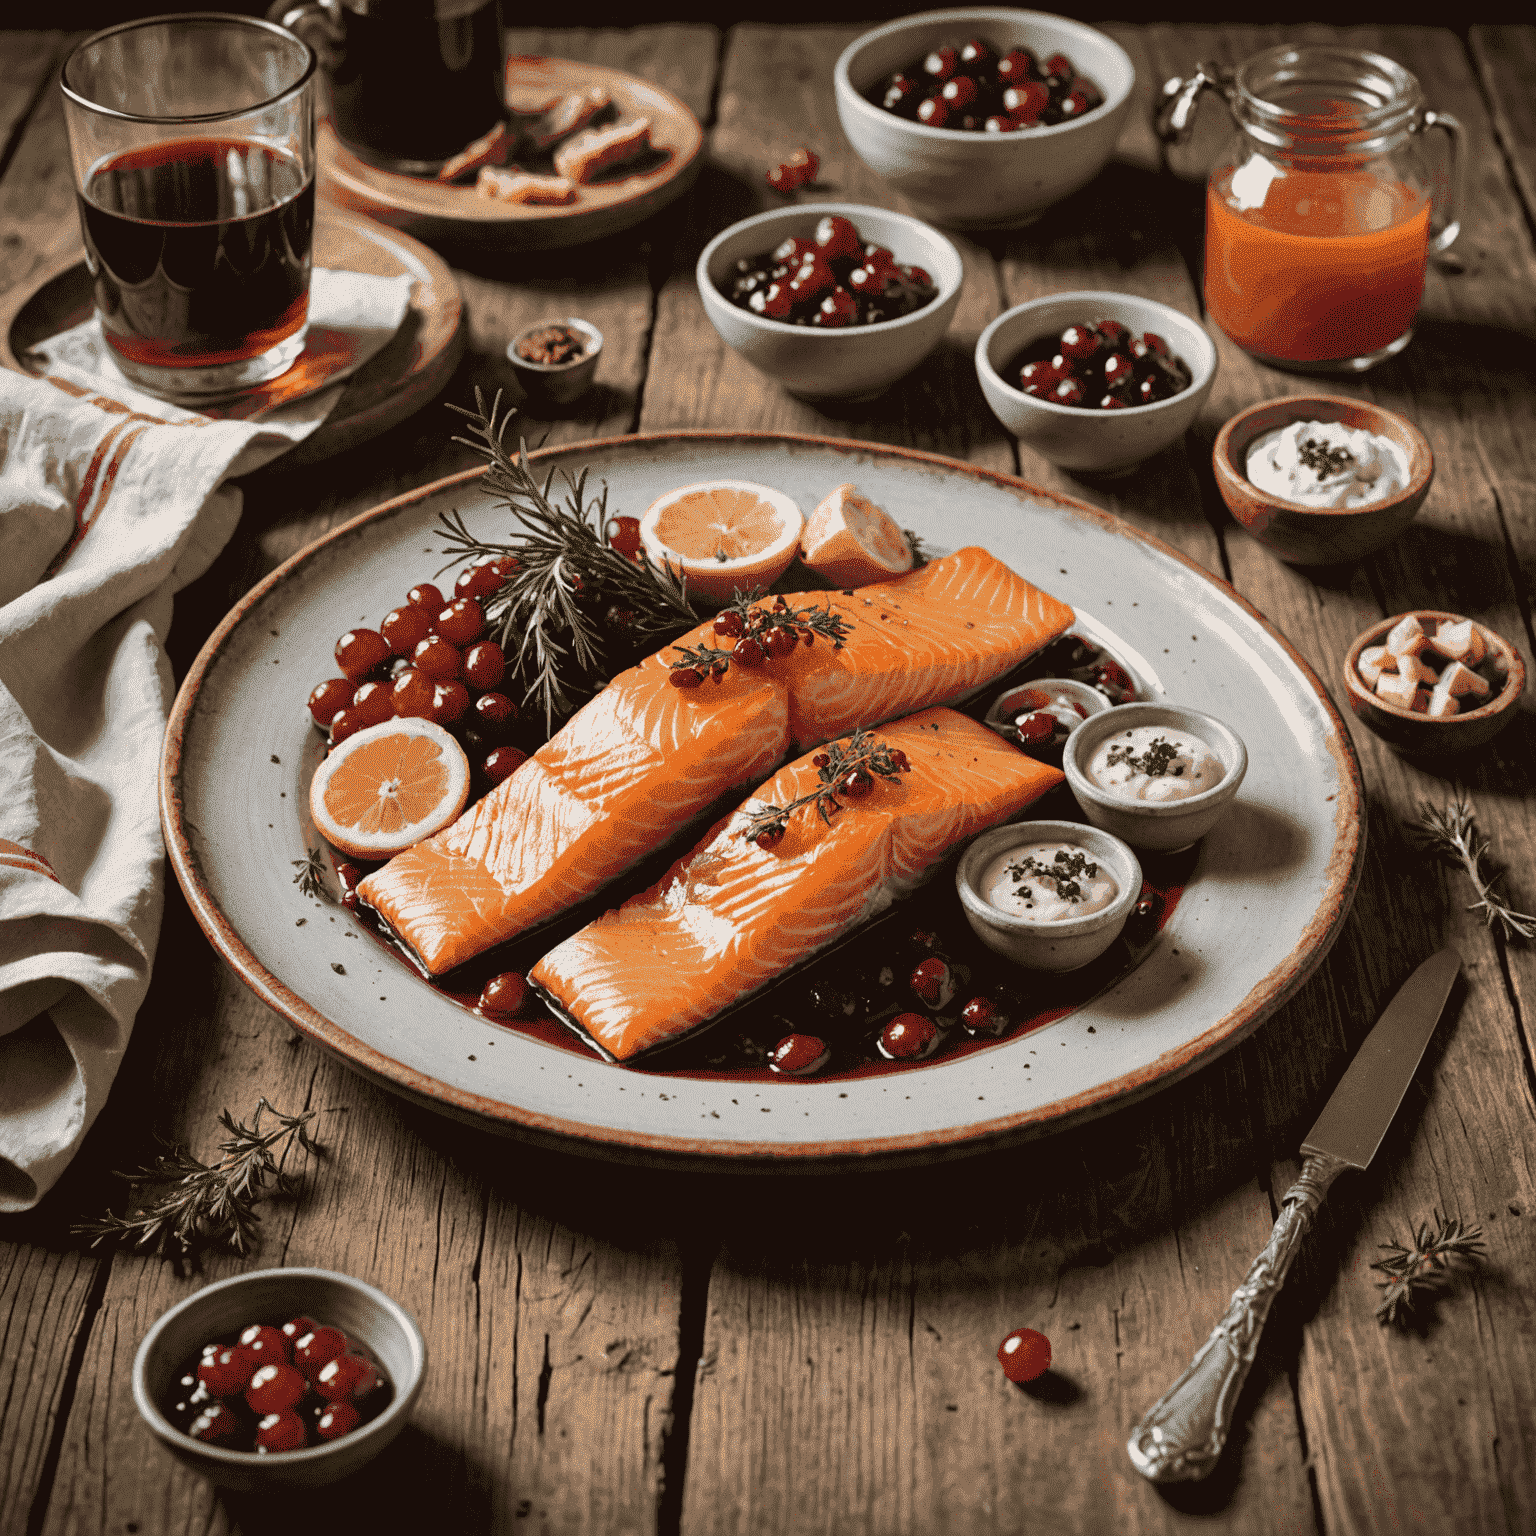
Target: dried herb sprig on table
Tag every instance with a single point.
(1427, 1268)
(549, 618)
(848, 768)
(1452, 834)
(204, 1205)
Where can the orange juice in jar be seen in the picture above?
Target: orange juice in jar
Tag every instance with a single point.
(1320, 217)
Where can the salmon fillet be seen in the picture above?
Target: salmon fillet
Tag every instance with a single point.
(729, 917)
(643, 759)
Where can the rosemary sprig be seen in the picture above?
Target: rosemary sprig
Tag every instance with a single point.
(1452, 835)
(204, 1205)
(756, 635)
(1427, 1268)
(310, 878)
(848, 768)
(549, 617)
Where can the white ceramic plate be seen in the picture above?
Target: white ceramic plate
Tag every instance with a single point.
(1273, 884)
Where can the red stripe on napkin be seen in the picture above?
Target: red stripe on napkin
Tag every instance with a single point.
(14, 856)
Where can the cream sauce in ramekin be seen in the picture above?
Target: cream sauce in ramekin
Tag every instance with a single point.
(1326, 464)
(1155, 763)
(1047, 882)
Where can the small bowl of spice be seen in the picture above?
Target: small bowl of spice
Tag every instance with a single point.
(1160, 776)
(556, 360)
(1050, 895)
(1431, 683)
(1322, 479)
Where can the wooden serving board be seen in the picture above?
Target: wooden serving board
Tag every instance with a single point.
(411, 370)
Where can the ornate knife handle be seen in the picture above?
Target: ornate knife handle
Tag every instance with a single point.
(1181, 1436)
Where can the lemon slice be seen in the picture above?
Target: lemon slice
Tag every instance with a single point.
(851, 542)
(389, 786)
(723, 535)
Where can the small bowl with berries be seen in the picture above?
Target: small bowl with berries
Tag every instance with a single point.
(831, 300)
(984, 118)
(1431, 683)
(1039, 715)
(1095, 381)
(281, 1378)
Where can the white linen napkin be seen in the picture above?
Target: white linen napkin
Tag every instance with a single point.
(110, 502)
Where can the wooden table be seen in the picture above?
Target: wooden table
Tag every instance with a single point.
(616, 1350)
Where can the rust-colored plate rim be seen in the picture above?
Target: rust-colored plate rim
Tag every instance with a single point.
(1268, 993)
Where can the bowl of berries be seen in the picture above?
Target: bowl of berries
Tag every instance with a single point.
(1095, 381)
(281, 1378)
(984, 118)
(831, 300)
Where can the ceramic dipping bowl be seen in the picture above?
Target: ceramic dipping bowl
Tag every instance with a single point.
(1154, 826)
(1420, 735)
(1093, 441)
(982, 180)
(850, 363)
(1305, 535)
(562, 383)
(273, 1296)
(1025, 699)
(1054, 946)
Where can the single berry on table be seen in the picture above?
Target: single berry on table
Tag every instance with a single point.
(1025, 1355)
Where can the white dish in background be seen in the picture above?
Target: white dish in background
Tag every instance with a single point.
(234, 783)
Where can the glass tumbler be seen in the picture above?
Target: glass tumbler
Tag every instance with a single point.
(1322, 212)
(193, 141)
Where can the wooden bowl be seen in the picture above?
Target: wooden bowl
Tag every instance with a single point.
(1305, 535)
(1417, 735)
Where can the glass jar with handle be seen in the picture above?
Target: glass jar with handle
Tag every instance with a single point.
(1322, 212)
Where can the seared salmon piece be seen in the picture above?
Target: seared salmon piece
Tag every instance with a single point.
(633, 768)
(730, 917)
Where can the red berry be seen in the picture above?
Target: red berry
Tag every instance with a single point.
(1025, 1354)
(907, 1037)
(281, 1432)
(933, 982)
(730, 625)
(1035, 728)
(462, 622)
(1015, 67)
(344, 725)
(821, 760)
(405, 628)
(502, 762)
(798, 1055)
(1118, 336)
(318, 1348)
(349, 875)
(485, 665)
(838, 309)
(981, 1016)
(769, 837)
(504, 995)
(338, 1419)
(685, 677)
(747, 652)
(932, 112)
(347, 1378)
(371, 703)
(1024, 103)
(274, 1388)
(450, 702)
(495, 713)
(1060, 66)
(438, 658)
(228, 1371)
(267, 1342)
(1067, 392)
(856, 785)
(477, 581)
(425, 596)
(296, 1327)
(360, 651)
(410, 696)
(941, 63)
(782, 179)
(837, 239)
(334, 694)
(505, 566)
(899, 760)
(216, 1425)
(1079, 343)
(780, 642)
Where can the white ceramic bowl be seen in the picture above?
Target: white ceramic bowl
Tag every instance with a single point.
(1060, 946)
(982, 180)
(1155, 826)
(1095, 442)
(857, 361)
(1010, 704)
(273, 1296)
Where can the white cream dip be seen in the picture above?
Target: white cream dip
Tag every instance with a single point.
(1047, 882)
(1326, 464)
(1155, 763)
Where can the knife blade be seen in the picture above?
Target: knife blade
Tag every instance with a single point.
(1181, 1436)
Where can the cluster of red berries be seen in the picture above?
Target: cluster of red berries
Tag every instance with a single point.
(798, 169)
(1101, 367)
(429, 659)
(760, 635)
(972, 88)
(834, 279)
(271, 1389)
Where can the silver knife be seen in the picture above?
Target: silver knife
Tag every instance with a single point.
(1181, 1436)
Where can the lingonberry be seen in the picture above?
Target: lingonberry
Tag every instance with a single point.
(296, 1327)
(477, 581)
(856, 784)
(685, 677)
(425, 595)
(747, 652)
(410, 695)
(274, 1388)
(318, 1348)
(485, 664)
(371, 703)
(933, 982)
(281, 1432)
(502, 762)
(1035, 728)
(267, 1342)
(624, 535)
(504, 995)
(981, 1016)
(405, 628)
(462, 622)
(908, 1037)
(798, 1055)
(770, 837)
(1024, 1355)
(730, 625)
(495, 713)
(336, 1420)
(450, 702)
(348, 1378)
(360, 651)
(438, 658)
(217, 1424)
(328, 698)
(228, 1370)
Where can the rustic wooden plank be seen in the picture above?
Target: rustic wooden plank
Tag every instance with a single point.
(1506, 63)
(26, 72)
(1366, 1396)
(776, 93)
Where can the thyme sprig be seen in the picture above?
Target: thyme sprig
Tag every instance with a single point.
(549, 617)
(1451, 834)
(310, 876)
(1426, 1268)
(757, 634)
(847, 768)
(211, 1205)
